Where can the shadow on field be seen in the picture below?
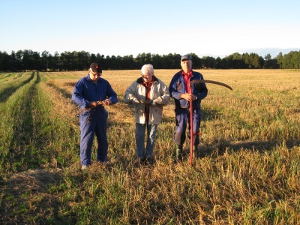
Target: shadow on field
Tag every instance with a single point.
(71, 84)
(209, 114)
(62, 91)
(221, 146)
(169, 119)
(7, 92)
(33, 194)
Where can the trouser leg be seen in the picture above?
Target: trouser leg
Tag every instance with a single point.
(86, 140)
(101, 129)
(181, 123)
(151, 138)
(196, 129)
(196, 126)
(140, 140)
(179, 134)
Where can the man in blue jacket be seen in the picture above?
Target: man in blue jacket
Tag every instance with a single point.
(91, 93)
(183, 92)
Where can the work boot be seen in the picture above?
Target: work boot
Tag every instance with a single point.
(178, 152)
(196, 152)
(139, 162)
(149, 161)
(84, 167)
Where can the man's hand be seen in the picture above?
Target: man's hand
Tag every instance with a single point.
(188, 96)
(106, 102)
(93, 104)
(153, 103)
(97, 103)
(135, 101)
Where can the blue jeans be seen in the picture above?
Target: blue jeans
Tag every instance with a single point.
(93, 122)
(182, 119)
(140, 139)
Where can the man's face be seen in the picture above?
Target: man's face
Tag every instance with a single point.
(186, 65)
(147, 76)
(94, 75)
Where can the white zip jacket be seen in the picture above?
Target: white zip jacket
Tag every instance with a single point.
(159, 97)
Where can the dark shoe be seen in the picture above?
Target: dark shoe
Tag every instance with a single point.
(149, 161)
(196, 153)
(84, 167)
(139, 161)
(178, 152)
(102, 164)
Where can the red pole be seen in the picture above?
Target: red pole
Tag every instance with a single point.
(191, 130)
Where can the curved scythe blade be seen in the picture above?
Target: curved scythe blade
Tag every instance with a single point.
(212, 82)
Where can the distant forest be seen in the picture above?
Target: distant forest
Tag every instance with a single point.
(80, 60)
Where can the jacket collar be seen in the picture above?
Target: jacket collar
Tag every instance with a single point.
(189, 74)
(141, 81)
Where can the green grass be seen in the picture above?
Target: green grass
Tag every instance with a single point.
(249, 174)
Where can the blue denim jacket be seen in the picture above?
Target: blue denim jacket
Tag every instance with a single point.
(86, 91)
(177, 87)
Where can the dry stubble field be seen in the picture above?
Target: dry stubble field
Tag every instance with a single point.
(249, 175)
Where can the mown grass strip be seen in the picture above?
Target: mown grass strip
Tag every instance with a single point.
(8, 88)
(33, 138)
(20, 124)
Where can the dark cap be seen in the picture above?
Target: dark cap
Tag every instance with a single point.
(95, 68)
(185, 57)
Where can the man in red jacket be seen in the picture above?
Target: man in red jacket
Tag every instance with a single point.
(182, 92)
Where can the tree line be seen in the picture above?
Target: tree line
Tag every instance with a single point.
(80, 60)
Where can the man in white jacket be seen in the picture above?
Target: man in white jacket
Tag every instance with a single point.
(148, 94)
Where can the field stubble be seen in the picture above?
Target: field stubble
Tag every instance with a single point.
(249, 174)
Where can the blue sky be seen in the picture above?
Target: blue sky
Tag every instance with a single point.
(129, 27)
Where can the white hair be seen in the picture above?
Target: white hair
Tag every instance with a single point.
(147, 68)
